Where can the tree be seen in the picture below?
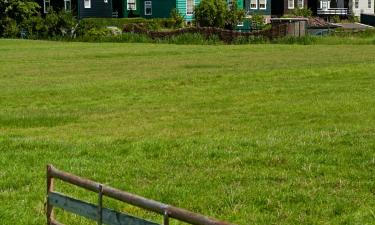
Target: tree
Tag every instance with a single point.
(210, 13)
(14, 12)
(234, 16)
(217, 13)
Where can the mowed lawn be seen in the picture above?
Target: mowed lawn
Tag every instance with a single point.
(261, 134)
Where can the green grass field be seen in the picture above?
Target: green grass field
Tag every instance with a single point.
(263, 134)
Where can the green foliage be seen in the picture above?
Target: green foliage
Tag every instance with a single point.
(299, 12)
(13, 13)
(211, 13)
(149, 24)
(177, 18)
(336, 19)
(10, 28)
(234, 15)
(257, 22)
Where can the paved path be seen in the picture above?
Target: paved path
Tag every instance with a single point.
(356, 26)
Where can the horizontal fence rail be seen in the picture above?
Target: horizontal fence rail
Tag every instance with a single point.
(109, 216)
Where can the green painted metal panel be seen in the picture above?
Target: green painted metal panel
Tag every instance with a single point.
(240, 4)
(90, 211)
(135, 13)
(160, 8)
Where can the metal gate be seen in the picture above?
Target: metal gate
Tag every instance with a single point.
(108, 216)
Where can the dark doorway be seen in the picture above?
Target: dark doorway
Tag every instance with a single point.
(313, 5)
(277, 7)
(117, 8)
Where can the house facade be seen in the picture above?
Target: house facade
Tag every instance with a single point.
(139, 8)
(361, 6)
(259, 7)
(345, 7)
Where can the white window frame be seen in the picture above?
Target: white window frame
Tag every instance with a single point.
(252, 5)
(301, 4)
(45, 7)
(66, 3)
(290, 6)
(188, 12)
(87, 4)
(148, 4)
(230, 4)
(356, 4)
(265, 4)
(131, 2)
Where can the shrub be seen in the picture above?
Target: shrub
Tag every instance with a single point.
(149, 24)
(299, 12)
(10, 28)
(13, 13)
(257, 22)
(234, 16)
(177, 18)
(211, 13)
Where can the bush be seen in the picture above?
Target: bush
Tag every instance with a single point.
(10, 28)
(148, 24)
(299, 12)
(177, 18)
(234, 16)
(13, 13)
(211, 13)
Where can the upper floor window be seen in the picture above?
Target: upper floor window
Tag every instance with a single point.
(253, 4)
(46, 5)
(189, 7)
(262, 4)
(290, 4)
(87, 4)
(132, 5)
(300, 3)
(356, 4)
(67, 5)
(148, 8)
(369, 4)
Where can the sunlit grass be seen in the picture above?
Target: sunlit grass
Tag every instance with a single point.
(264, 134)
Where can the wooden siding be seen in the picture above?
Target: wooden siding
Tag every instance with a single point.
(160, 8)
(181, 6)
(98, 9)
(287, 10)
(266, 11)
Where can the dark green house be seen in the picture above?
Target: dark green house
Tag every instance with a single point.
(138, 8)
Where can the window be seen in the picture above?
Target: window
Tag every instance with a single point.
(300, 3)
(132, 5)
(87, 4)
(369, 4)
(67, 5)
(230, 4)
(253, 4)
(189, 7)
(291, 4)
(46, 5)
(356, 4)
(148, 8)
(262, 4)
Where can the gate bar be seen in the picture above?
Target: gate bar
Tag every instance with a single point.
(136, 200)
